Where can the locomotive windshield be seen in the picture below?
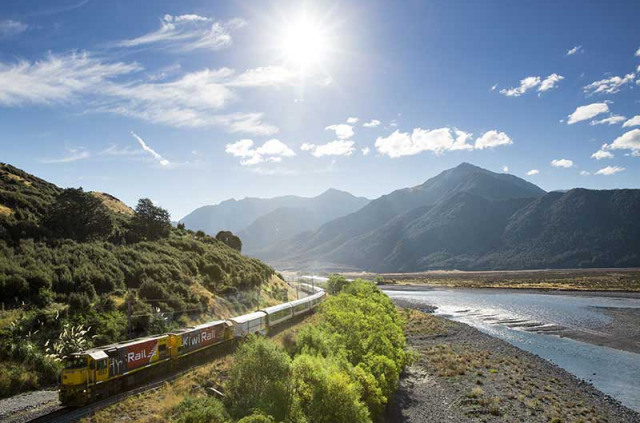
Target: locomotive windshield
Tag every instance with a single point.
(75, 363)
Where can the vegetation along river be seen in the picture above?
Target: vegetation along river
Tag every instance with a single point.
(593, 335)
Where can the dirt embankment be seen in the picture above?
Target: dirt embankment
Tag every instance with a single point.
(463, 375)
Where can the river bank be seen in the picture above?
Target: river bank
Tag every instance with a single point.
(464, 375)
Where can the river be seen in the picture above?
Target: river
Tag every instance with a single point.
(538, 323)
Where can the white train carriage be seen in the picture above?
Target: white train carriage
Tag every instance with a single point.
(244, 325)
(278, 314)
(316, 299)
(301, 306)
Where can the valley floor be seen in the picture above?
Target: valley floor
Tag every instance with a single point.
(463, 375)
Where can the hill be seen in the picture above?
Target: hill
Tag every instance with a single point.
(72, 262)
(473, 219)
(261, 222)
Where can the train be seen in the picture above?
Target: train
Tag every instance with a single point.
(104, 371)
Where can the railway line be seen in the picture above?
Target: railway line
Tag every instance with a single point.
(66, 414)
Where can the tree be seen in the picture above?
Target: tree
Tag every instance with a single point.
(230, 239)
(150, 222)
(336, 283)
(259, 379)
(78, 215)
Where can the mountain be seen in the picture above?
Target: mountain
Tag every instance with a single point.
(336, 237)
(261, 222)
(471, 218)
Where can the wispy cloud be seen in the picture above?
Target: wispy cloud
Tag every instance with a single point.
(610, 170)
(272, 151)
(533, 172)
(9, 28)
(365, 151)
(531, 82)
(332, 148)
(73, 155)
(572, 51)
(186, 33)
(587, 112)
(163, 162)
(191, 100)
(611, 120)
(609, 85)
(352, 120)
(114, 150)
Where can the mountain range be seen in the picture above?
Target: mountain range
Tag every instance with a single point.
(262, 222)
(464, 218)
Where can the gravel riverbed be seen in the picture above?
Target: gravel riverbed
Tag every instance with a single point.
(463, 375)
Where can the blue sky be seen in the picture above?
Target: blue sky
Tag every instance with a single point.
(193, 102)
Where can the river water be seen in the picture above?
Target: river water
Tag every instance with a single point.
(520, 318)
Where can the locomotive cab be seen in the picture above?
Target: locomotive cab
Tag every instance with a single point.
(81, 372)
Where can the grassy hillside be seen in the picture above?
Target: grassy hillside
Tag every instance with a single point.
(66, 282)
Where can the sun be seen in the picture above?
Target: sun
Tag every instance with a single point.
(304, 43)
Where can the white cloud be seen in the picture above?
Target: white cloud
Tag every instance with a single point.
(268, 76)
(493, 87)
(587, 112)
(57, 79)
(505, 169)
(372, 123)
(114, 150)
(342, 130)
(272, 151)
(191, 100)
(435, 140)
(634, 121)
(73, 155)
(574, 50)
(152, 152)
(609, 170)
(638, 52)
(525, 85)
(307, 146)
(186, 33)
(550, 82)
(628, 141)
(585, 173)
(533, 172)
(566, 163)
(352, 120)
(602, 153)
(530, 83)
(611, 120)
(9, 28)
(334, 148)
(365, 151)
(609, 85)
(491, 139)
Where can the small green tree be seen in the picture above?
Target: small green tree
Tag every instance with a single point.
(150, 222)
(230, 239)
(78, 215)
(259, 380)
(336, 283)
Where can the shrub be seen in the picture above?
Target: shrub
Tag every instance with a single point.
(200, 410)
(259, 379)
(336, 283)
(257, 418)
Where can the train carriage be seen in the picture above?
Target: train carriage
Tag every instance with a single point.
(278, 314)
(301, 306)
(244, 325)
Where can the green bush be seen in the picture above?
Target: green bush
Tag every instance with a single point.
(259, 379)
(199, 410)
(257, 418)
